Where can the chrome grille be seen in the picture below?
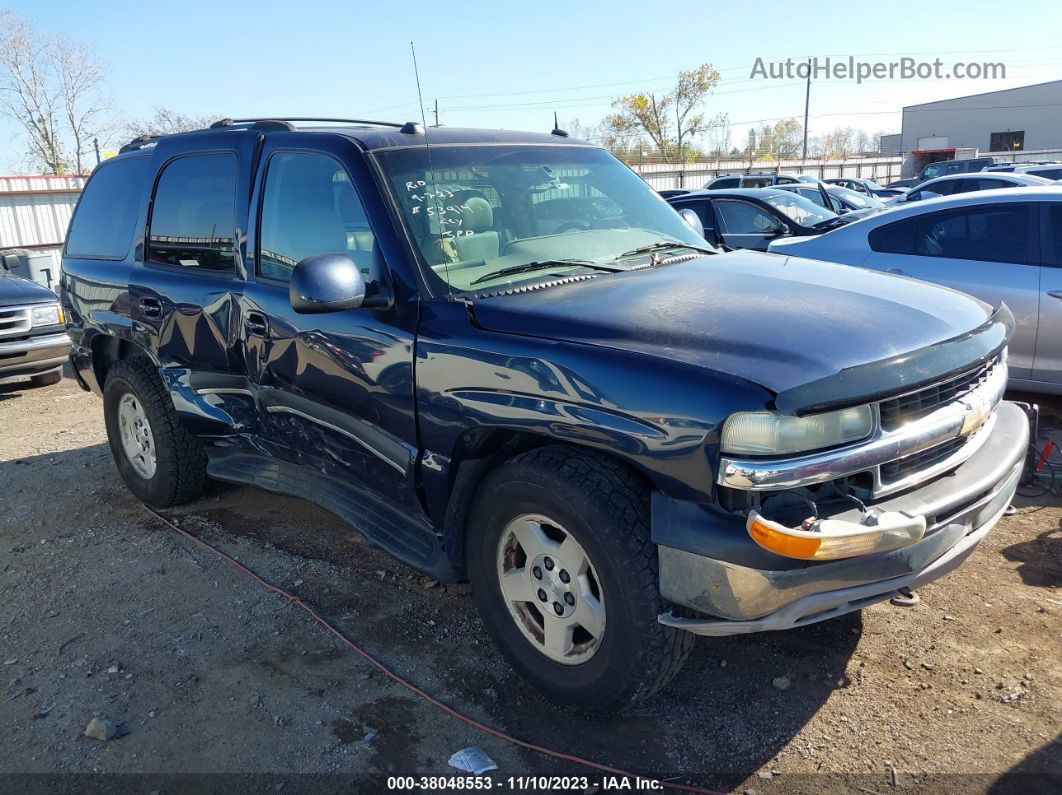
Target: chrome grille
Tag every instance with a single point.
(897, 412)
(14, 320)
(902, 467)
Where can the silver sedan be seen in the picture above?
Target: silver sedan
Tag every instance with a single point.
(997, 245)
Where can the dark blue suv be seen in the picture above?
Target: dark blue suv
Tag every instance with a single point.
(503, 358)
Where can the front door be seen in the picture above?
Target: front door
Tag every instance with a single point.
(335, 390)
(1047, 365)
(744, 225)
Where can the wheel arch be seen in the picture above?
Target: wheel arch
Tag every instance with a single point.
(480, 450)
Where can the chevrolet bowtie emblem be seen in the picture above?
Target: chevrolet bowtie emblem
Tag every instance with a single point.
(977, 413)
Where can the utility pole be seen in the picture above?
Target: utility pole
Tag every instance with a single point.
(807, 100)
(96, 143)
(436, 111)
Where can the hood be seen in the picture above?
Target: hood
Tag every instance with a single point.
(15, 290)
(774, 320)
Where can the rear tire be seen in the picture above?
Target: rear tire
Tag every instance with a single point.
(47, 379)
(557, 508)
(158, 459)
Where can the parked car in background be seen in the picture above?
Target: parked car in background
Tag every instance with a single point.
(33, 339)
(903, 183)
(968, 183)
(1022, 165)
(943, 168)
(849, 201)
(668, 193)
(867, 187)
(613, 431)
(756, 180)
(753, 217)
(1045, 170)
(1000, 246)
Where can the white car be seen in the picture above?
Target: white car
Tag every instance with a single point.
(997, 245)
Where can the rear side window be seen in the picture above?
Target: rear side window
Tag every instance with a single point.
(1047, 173)
(726, 182)
(992, 234)
(102, 227)
(895, 238)
(193, 216)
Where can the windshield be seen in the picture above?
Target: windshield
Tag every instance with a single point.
(800, 210)
(872, 184)
(855, 198)
(484, 208)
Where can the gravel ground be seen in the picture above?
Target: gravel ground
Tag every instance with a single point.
(106, 613)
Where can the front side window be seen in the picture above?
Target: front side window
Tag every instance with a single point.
(992, 234)
(932, 171)
(743, 218)
(193, 216)
(102, 227)
(474, 211)
(310, 207)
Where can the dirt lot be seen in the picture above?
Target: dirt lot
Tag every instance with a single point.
(104, 611)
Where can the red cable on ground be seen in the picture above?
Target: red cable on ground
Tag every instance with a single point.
(295, 600)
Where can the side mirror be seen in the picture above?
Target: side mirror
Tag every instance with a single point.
(326, 283)
(693, 221)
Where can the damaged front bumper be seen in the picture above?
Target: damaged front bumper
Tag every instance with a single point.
(709, 564)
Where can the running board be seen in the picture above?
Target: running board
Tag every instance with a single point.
(413, 542)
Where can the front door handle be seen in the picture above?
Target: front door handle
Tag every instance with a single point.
(257, 324)
(151, 307)
(1055, 294)
(897, 271)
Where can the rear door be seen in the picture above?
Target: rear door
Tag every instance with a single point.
(743, 224)
(1047, 365)
(335, 390)
(184, 289)
(989, 251)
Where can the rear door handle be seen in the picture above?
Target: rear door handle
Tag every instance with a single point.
(151, 307)
(1055, 294)
(256, 324)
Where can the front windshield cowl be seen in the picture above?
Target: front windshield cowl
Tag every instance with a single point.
(487, 217)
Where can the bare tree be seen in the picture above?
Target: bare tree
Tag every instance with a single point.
(28, 95)
(52, 88)
(167, 122)
(79, 75)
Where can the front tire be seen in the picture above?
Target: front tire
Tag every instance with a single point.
(158, 459)
(564, 574)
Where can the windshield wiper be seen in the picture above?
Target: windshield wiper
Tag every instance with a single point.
(539, 265)
(662, 244)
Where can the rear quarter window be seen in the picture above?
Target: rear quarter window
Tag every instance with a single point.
(102, 226)
(895, 238)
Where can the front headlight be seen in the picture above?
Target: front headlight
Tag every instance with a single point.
(768, 433)
(47, 315)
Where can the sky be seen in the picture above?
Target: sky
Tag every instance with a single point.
(511, 65)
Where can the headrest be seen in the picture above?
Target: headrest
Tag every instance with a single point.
(477, 215)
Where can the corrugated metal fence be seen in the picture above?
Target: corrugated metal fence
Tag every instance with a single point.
(663, 176)
(35, 211)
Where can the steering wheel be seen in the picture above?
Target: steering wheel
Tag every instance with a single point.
(571, 226)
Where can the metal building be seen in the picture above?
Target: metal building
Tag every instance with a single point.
(34, 214)
(1012, 120)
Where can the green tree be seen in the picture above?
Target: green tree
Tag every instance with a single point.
(668, 120)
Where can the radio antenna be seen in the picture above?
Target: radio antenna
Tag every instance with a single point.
(431, 175)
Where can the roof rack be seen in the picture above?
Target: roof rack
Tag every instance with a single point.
(267, 123)
(229, 122)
